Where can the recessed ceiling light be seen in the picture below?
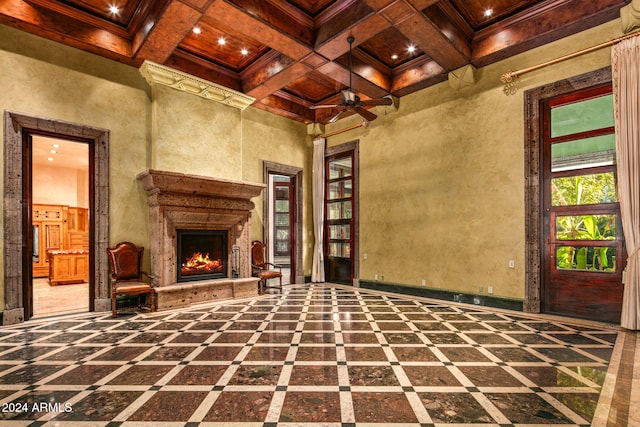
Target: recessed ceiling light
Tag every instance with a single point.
(197, 30)
(115, 10)
(411, 48)
(488, 12)
(221, 41)
(394, 56)
(50, 159)
(244, 51)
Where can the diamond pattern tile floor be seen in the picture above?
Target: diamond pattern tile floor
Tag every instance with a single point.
(317, 354)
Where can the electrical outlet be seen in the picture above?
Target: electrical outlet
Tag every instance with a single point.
(490, 290)
(365, 255)
(376, 277)
(512, 263)
(424, 282)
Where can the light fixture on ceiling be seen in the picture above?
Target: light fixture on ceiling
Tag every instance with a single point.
(244, 51)
(222, 41)
(197, 30)
(56, 145)
(411, 48)
(394, 56)
(50, 159)
(488, 13)
(115, 10)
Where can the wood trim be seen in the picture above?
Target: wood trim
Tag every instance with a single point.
(296, 173)
(16, 127)
(533, 99)
(339, 149)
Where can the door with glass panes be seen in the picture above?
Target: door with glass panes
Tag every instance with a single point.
(339, 198)
(584, 248)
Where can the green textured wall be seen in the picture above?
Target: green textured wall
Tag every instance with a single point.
(442, 178)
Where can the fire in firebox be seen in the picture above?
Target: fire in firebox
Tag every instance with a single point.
(198, 263)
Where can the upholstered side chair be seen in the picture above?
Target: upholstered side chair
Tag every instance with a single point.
(261, 268)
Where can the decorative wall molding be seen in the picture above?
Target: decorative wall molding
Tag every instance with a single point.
(630, 16)
(162, 75)
(463, 77)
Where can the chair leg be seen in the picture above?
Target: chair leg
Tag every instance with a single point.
(280, 284)
(113, 305)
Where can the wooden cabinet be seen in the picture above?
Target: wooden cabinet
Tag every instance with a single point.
(57, 227)
(66, 267)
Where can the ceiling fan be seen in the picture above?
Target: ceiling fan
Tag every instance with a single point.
(351, 102)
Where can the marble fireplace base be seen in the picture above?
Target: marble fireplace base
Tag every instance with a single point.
(187, 293)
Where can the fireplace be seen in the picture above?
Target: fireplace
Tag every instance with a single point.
(202, 254)
(181, 204)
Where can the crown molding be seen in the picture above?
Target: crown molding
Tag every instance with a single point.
(162, 75)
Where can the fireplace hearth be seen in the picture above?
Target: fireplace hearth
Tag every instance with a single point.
(202, 255)
(199, 237)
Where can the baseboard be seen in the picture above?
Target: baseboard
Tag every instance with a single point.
(440, 294)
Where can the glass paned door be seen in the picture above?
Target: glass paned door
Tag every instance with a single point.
(282, 218)
(339, 218)
(583, 246)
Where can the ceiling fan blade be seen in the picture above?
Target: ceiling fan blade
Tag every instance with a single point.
(380, 101)
(337, 116)
(368, 115)
(315, 107)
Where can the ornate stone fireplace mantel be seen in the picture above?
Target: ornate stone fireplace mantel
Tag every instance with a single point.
(181, 201)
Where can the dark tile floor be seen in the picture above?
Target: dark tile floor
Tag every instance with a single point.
(315, 355)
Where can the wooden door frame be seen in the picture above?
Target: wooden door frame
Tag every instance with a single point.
(16, 210)
(534, 216)
(295, 174)
(354, 147)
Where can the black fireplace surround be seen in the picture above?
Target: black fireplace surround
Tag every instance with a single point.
(202, 255)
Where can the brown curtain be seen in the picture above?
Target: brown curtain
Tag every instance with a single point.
(625, 58)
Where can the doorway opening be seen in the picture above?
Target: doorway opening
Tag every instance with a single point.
(574, 245)
(60, 225)
(282, 207)
(341, 214)
(19, 131)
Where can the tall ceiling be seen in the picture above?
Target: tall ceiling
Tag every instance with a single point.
(291, 55)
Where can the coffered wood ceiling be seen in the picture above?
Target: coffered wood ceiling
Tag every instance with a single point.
(296, 50)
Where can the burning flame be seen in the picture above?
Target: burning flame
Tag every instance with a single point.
(200, 262)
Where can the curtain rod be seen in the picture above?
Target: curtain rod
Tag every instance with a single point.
(336, 132)
(508, 78)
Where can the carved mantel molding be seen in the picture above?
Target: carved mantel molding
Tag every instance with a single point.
(163, 75)
(185, 201)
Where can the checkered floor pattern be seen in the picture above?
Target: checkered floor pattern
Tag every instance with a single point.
(314, 355)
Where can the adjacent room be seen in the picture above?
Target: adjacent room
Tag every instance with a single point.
(332, 212)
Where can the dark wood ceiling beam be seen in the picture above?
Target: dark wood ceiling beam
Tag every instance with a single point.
(359, 84)
(270, 74)
(417, 76)
(431, 39)
(285, 107)
(260, 28)
(33, 18)
(196, 66)
(158, 43)
(549, 22)
(360, 21)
